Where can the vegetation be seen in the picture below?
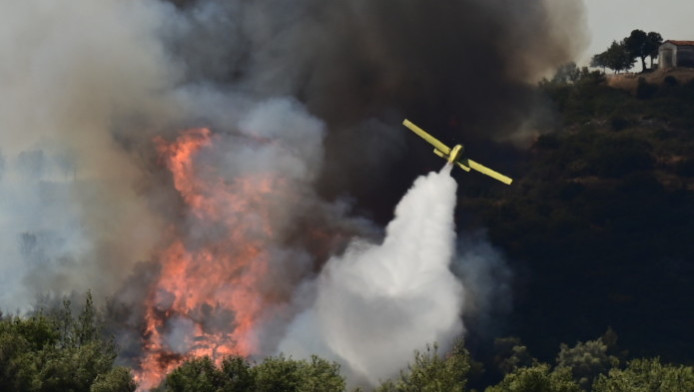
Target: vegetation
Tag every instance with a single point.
(575, 370)
(59, 352)
(600, 213)
(647, 375)
(274, 374)
(432, 373)
(616, 57)
(622, 55)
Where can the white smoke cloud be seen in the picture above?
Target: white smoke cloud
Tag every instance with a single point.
(376, 304)
(67, 191)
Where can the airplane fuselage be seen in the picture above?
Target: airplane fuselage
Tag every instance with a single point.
(452, 157)
(456, 153)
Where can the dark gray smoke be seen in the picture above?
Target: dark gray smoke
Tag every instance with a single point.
(459, 67)
(352, 60)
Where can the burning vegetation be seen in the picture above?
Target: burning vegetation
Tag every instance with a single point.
(207, 299)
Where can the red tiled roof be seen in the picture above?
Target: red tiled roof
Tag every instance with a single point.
(680, 43)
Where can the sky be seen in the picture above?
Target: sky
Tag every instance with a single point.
(610, 20)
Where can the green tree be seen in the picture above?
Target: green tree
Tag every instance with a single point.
(118, 379)
(512, 354)
(277, 374)
(537, 378)
(238, 376)
(20, 340)
(647, 375)
(195, 375)
(616, 57)
(431, 372)
(640, 45)
(319, 375)
(274, 374)
(567, 74)
(58, 353)
(636, 45)
(280, 374)
(586, 361)
(599, 61)
(86, 329)
(653, 42)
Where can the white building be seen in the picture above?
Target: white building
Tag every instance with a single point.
(676, 54)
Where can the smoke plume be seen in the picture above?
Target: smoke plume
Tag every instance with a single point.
(376, 304)
(72, 219)
(142, 142)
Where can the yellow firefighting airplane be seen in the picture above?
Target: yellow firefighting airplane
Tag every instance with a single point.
(455, 155)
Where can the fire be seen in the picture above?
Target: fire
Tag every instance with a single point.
(207, 299)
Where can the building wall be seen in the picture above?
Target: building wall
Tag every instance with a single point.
(670, 55)
(685, 56)
(666, 55)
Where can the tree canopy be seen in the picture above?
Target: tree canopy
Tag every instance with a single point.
(59, 352)
(617, 57)
(622, 55)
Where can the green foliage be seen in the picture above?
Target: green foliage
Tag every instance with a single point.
(277, 374)
(641, 45)
(619, 156)
(37, 331)
(118, 379)
(588, 97)
(635, 44)
(586, 361)
(617, 57)
(274, 374)
(432, 373)
(567, 73)
(646, 375)
(195, 375)
(598, 213)
(238, 375)
(537, 378)
(653, 42)
(620, 56)
(58, 353)
(320, 375)
(71, 368)
(511, 355)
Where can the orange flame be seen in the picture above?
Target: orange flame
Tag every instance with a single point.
(206, 300)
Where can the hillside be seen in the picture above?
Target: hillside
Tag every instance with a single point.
(629, 81)
(598, 225)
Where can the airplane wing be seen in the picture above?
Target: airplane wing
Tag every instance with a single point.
(432, 140)
(491, 173)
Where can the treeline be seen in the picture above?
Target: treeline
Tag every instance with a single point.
(59, 351)
(622, 55)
